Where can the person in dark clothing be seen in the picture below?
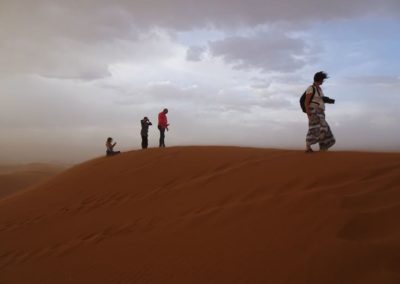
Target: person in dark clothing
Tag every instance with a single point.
(110, 147)
(162, 125)
(145, 131)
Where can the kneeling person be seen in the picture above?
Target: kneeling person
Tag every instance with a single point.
(110, 147)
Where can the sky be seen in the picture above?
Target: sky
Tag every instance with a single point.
(231, 72)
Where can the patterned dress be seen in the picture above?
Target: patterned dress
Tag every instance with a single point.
(318, 129)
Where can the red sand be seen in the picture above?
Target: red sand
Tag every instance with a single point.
(16, 178)
(209, 215)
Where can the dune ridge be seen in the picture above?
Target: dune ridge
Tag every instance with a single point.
(16, 178)
(209, 215)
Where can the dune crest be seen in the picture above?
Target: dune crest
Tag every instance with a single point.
(209, 215)
(16, 178)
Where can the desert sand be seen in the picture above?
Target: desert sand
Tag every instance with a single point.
(209, 215)
(16, 178)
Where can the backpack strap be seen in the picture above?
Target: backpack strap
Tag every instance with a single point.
(313, 93)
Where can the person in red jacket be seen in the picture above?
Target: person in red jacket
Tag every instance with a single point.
(162, 125)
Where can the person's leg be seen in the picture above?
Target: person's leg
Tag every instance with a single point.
(159, 144)
(145, 142)
(162, 136)
(112, 153)
(326, 138)
(313, 130)
(308, 148)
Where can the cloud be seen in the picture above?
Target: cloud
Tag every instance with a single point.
(99, 19)
(55, 58)
(65, 39)
(268, 51)
(195, 53)
(375, 80)
(71, 59)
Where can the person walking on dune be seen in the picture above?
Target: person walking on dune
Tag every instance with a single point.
(110, 147)
(318, 129)
(145, 131)
(162, 126)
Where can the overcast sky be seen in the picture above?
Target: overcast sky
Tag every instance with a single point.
(230, 72)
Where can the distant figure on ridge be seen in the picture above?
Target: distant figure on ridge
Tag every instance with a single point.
(145, 131)
(162, 125)
(110, 147)
(318, 129)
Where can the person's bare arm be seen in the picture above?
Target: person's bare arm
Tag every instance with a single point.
(307, 103)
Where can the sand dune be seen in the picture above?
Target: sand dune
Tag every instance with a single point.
(209, 215)
(16, 178)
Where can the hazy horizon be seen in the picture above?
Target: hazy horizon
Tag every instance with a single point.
(230, 73)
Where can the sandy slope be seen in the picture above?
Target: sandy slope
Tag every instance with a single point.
(209, 215)
(16, 178)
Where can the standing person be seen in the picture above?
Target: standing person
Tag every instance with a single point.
(145, 131)
(318, 129)
(110, 147)
(162, 125)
